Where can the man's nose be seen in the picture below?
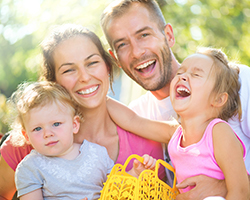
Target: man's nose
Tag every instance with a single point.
(137, 50)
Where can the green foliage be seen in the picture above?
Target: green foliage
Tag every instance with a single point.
(24, 23)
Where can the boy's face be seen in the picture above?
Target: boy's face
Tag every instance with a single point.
(141, 47)
(50, 129)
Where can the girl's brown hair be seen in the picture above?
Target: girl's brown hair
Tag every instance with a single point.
(226, 80)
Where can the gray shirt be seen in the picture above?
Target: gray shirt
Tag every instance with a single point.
(65, 179)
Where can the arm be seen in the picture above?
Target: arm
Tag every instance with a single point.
(138, 167)
(151, 129)
(7, 181)
(36, 194)
(228, 152)
(206, 186)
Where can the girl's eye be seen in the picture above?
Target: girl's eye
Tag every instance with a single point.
(56, 124)
(37, 129)
(196, 75)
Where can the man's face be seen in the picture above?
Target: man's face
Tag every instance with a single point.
(141, 47)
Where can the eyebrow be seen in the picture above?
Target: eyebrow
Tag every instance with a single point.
(138, 31)
(90, 56)
(198, 69)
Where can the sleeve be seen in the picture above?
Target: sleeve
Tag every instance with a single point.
(245, 98)
(13, 155)
(27, 177)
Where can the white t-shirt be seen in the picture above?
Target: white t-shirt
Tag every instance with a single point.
(150, 107)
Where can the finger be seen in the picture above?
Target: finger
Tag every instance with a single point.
(187, 182)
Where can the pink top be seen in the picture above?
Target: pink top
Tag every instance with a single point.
(197, 158)
(128, 144)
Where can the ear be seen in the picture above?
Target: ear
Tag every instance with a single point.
(220, 100)
(76, 124)
(113, 56)
(26, 136)
(169, 34)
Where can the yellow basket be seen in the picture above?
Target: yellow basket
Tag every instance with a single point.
(122, 186)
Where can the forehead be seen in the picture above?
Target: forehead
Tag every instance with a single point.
(198, 61)
(133, 19)
(74, 45)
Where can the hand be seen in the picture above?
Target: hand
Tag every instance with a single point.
(85, 198)
(204, 187)
(148, 163)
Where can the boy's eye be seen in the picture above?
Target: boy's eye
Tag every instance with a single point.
(56, 124)
(37, 129)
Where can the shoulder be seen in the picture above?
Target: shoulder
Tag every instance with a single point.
(221, 130)
(141, 100)
(12, 154)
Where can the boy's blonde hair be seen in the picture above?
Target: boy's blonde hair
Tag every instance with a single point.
(32, 95)
(226, 80)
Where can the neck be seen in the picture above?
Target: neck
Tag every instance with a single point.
(165, 91)
(96, 125)
(193, 129)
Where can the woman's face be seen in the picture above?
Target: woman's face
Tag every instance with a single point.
(80, 68)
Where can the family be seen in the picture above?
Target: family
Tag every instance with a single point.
(75, 126)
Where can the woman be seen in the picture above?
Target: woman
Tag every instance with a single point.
(74, 57)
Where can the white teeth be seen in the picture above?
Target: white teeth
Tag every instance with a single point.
(144, 65)
(88, 91)
(182, 89)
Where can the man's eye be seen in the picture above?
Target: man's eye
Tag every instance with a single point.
(37, 129)
(56, 124)
(120, 45)
(144, 35)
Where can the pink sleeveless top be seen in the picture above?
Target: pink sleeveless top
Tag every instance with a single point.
(197, 158)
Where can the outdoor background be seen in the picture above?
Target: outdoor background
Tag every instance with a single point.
(24, 24)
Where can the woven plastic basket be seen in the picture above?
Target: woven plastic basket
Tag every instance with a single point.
(122, 186)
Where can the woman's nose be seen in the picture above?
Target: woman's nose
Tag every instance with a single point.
(83, 75)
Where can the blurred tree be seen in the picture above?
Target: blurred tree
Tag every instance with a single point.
(24, 23)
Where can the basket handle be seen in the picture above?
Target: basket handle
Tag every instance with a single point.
(130, 158)
(166, 165)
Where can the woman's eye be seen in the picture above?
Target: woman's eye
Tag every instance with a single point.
(56, 124)
(66, 71)
(37, 129)
(92, 63)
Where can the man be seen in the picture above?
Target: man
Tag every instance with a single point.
(141, 40)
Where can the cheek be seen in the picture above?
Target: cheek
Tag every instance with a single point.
(66, 82)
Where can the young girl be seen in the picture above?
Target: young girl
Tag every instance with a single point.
(204, 93)
(47, 119)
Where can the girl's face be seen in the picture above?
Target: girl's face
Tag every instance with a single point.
(191, 88)
(80, 68)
